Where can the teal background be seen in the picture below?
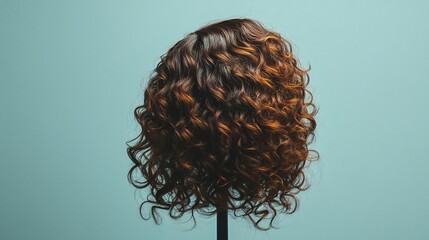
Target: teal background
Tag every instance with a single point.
(72, 72)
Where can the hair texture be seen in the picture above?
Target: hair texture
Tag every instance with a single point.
(225, 125)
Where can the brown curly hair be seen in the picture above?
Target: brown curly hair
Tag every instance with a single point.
(225, 125)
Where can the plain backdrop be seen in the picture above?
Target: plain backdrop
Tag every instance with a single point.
(72, 73)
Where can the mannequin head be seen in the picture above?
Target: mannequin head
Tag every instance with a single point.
(225, 124)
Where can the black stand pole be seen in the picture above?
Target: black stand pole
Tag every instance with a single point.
(222, 225)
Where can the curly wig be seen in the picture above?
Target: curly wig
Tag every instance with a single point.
(225, 125)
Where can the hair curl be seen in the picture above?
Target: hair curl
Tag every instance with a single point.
(225, 125)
